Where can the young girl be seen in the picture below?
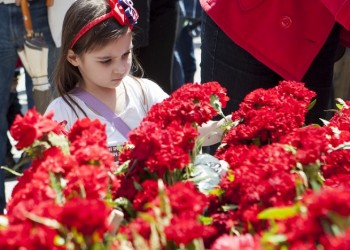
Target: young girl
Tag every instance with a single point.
(93, 71)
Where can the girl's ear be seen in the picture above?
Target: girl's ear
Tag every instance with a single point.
(72, 58)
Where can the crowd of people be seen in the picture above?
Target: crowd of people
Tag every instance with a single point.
(125, 56)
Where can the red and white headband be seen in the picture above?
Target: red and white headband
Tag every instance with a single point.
(122, 10)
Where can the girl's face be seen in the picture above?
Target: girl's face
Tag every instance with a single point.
(107, 66)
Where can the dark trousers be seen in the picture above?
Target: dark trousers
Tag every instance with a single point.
(154, 39)
(240, 73)
(184, 59)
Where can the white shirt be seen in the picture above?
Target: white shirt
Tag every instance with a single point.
(137, 107)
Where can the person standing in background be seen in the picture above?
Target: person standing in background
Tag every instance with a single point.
(254, 44)
(154, 40)
(12, 35)
(184, 67)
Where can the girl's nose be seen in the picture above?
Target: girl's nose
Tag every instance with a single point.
(119, 68)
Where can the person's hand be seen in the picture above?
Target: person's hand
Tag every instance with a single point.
(213, 131)
(18, 2)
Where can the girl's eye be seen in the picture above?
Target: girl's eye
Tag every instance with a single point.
(107, 61)
(127, 54)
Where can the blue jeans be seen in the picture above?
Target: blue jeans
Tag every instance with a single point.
(184, 67)
(12, 33)
(239, 72)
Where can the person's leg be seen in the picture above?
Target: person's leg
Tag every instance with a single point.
(319, 78)
(185, 48)
(38, 11)
(10, 37)
(157, 58)
(178, 74)
(29, 89)
(234, 68)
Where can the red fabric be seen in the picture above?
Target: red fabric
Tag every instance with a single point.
(340, 10)
(19, 63)
(285, 35)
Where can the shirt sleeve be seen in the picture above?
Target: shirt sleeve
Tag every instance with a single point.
(62, 112)
(154, 93)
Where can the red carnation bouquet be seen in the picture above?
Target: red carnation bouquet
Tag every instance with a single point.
(286, 186)
(66, 199)
(276, 166)
(63, 200)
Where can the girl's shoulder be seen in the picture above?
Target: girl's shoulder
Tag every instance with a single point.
(146, 87)
(59, 104)
(138, 83)
(63, 112)
(144, 92)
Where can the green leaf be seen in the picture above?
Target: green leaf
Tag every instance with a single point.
(196, 244)
(215, 103)
(279, 213)
(340, 103)
(11, 171)
(205, 219)
(275, 239)
(340, 223)
(138, 240)
(154, 238)
(226, 208)
(164, 200)
(217, 191)
(123, 168)
(45, 221)
(126, 205)
(230, 176)
(312, 104)
(343, 146)
(137, 186)
(55, 183)
(59, 141)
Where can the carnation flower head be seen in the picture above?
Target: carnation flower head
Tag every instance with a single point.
(185, 199)
(341, 119)
(33, 126)
(192, 103)
(147, 194)
(95, 155)
(92, 217)
(93, 180)
(267, 114)
(161, 150)
(184, 230)
(26, 236)
(310, 142)
(259, 179)
(202, 92)
(338, 181)
(86, 132)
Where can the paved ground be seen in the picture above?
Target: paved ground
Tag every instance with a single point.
(9, 184)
